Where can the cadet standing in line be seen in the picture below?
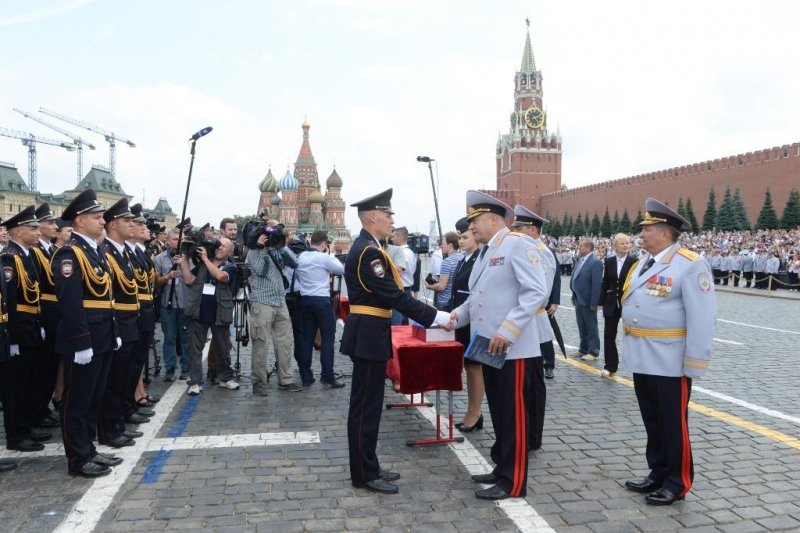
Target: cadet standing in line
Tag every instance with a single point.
(375, 288)
(86, 334)
(25, 331)
(529, 223)
(5, 368)
(668, 317)
(508, 286)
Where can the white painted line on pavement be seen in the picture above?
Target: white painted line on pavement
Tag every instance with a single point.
(519, 510)
(729, 342)
(759, 327)
(229, 441)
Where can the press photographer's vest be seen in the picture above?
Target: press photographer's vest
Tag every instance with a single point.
(222, 294)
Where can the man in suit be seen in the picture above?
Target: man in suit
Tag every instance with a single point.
(668, 316)
(585, 284)
(508, 285)
(375, 288)
(615, 272)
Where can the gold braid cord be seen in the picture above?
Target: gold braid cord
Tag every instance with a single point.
(90, 277)
(28, 287)
(627, 285)
(128, 286)
(143, 280)
(395, 273)
(45, 265)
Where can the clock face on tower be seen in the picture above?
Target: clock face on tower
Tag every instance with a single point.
(534, 117)
(514, 120)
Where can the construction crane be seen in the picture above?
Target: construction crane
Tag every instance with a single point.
(111, 138)
(75, 139)
(30, 140)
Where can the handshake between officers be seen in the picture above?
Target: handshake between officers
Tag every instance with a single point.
(375, 288)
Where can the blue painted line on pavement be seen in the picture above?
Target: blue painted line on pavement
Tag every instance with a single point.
(153, 469)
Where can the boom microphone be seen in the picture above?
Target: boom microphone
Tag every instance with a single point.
(201, 133)
(424, 159)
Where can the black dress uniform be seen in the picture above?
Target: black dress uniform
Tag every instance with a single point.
(5, 371)
(375, 288)
(126, 311)
(46, 357)
(25, 337)
(85, 298)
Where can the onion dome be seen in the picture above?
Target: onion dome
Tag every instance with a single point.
(334, 180)
(268, 184)
(288, 182)
(276, 200)
(315, 197)
(306, 124)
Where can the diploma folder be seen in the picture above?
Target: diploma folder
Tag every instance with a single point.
(478, 351)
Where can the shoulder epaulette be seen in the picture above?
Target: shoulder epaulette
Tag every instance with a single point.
(542, 246)
(688, 254)
(515, 234)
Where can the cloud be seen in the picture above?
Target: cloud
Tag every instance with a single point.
(387, 73)
(44, 13)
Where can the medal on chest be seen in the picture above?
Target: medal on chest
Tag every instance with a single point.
(658, 286)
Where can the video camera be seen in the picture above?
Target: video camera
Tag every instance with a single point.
(253, 229)
(419, 243)
(194, 240)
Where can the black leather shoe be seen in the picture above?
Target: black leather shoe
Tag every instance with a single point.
(332, 383)
(380, 486)
(118, 442)
(146, 412)
(90, 469)
(136, 418)
(534, 448)
(662, 497)
(485, 478)
(7, 466)
(48, 422)
(25, 445)
(492, 493)
(643, 486)
(388, 476)
(132, 434)
(548, 373)
(469, 429)
(106, 460)
(40, 436)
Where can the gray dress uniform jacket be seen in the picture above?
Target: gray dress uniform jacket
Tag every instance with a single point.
(507, 287)
(668, 316)
(747, 262)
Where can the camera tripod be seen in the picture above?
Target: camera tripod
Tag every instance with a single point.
(241, 322)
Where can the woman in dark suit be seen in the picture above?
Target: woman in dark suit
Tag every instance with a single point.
(473, 419)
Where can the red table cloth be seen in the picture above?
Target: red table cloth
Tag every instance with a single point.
(341, 305)
(424, 366)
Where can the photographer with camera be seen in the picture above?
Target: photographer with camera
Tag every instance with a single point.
(314, 269)
(210, 306)
(443, 284)
(173, 307)
(269, 316)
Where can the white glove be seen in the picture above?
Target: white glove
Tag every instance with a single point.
(41, 332)
(84, 357)
(14, 350)
(119, 343)
(442, 318)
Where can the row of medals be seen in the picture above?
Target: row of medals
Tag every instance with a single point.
(658, 289)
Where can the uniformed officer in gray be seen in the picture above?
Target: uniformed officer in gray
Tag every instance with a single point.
(748, 257)
(668, 316)
(507, 287)
(529, 223)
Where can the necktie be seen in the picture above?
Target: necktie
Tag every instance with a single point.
(483, 251)
(650, 262)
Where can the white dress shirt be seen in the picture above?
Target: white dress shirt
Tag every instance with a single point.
(411, 266)
(620, 263)
(313, 273)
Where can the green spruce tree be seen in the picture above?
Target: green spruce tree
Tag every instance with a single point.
(594, 228)
(637, 221)
(710, 216)
(578, 229)
(605, 226)
(681, 208)
(690, 216)
(566, 226)
(615, 222)
(767, 218)
(726, 217)
(740, 211)
(586, 224)
(554, 229)
(791, 212)
(624, 223)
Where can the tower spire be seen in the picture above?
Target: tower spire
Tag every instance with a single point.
(528, 63)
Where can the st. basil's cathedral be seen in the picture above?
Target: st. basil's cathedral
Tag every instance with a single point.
(298, 203)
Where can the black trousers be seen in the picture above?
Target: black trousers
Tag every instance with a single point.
(137, 361)
(717, 273)
(112, 414)
(548, 354)
(610, 353)
(664, 404)
(537, 399)
(83, 392)
(736, 275)
(748, 276)
(45, 373)
(18, 395)
(508, 391)
(297, 332)
(364, 417)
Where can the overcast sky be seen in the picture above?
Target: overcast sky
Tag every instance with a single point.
(635, 87)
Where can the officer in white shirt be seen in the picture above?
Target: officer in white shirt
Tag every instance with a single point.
(314, 269)
(400, 239)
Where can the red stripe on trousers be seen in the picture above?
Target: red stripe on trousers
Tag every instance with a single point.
(686, 458)
(519, 418)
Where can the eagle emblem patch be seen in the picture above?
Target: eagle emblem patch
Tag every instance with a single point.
(66, 268)
(533, 254)
(9, 272)
(377, 267)
(704, 282)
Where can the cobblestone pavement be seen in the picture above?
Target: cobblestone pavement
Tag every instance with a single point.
(291, 472)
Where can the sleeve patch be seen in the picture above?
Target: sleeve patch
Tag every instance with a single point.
(9, 272)
(532, 253)
(377, 268)
(704, 282)
(66, 268)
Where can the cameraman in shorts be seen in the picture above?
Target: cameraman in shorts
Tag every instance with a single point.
(209, 305)
(269, 316)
